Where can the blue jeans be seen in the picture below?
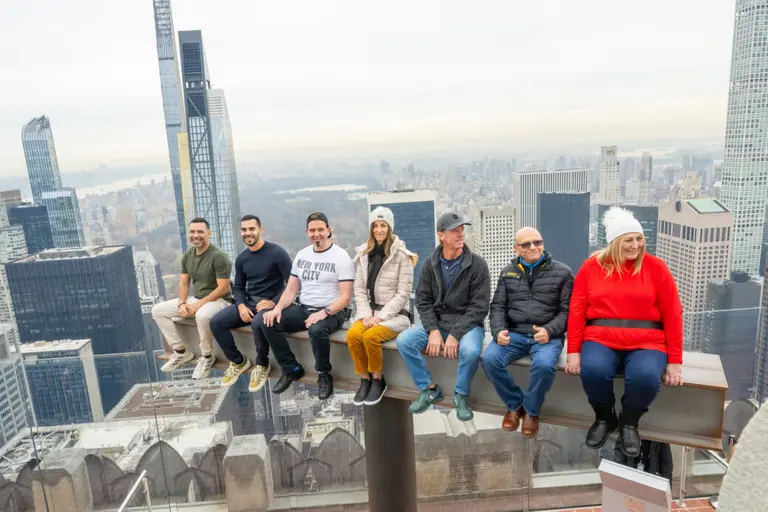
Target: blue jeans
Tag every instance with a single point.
(642, 374)
(413, 341)
(544, 358)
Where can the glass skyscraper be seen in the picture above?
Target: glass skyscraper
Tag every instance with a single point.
(84, 293)
(40, 154)
(63, 385)
(36, 224)
(564, 225)
(415, 220)
(64, 214)
(211, 152)
(745, 161)
(175, 116)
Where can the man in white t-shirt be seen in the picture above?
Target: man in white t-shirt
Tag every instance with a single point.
(324, 273)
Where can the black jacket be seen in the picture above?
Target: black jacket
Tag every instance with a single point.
(655, 457)
(525, 298)
(466, 301)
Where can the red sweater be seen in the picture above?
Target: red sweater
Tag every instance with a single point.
(649, 295)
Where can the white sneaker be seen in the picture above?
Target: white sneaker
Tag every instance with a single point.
(176, 360)
(259, 377)
(203, 368)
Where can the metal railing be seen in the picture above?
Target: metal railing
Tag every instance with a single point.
(724, 463)
(142, 480)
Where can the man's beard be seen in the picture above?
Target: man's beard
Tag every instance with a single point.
(255, 241)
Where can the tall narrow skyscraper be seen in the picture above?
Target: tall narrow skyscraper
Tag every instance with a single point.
(609, 191)
(210, 143)
(175, 115)
(745, 166)
(40, 154)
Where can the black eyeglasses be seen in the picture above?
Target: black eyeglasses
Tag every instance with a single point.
(527, 245)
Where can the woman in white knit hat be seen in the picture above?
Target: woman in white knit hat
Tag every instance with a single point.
(625, 317)
(383, 282)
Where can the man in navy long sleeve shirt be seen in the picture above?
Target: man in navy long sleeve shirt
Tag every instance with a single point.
(261, 272)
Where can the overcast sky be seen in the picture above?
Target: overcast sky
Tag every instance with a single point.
(328, 73)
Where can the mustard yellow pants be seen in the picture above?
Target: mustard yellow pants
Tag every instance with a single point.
(365, 346)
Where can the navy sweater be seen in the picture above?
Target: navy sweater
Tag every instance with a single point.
(261, 274)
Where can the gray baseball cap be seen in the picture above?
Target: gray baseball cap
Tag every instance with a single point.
(449, 221)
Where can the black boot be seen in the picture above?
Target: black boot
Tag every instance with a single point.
(605, 423)
(630, 437)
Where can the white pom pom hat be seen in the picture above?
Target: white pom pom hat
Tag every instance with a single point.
(619, 221)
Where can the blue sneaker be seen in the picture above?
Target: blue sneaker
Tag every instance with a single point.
(463, 409)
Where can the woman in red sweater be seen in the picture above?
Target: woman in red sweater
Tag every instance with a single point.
(625, 317)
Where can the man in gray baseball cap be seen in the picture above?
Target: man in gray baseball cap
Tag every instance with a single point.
(452, 298)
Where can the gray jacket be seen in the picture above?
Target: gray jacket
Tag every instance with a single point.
(466, 302)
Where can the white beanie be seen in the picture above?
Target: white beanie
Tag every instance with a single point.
(382, 213)
(619, 221)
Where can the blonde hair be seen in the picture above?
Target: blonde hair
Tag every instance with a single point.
(611, 259)
(371, 245)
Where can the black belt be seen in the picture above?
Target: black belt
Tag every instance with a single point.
(628, 324)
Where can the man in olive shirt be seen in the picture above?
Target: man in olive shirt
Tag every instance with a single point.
(208, 269)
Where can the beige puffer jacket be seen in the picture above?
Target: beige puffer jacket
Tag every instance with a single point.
(392, 288)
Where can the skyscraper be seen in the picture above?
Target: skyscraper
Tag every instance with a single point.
(210, 142)
(175, 114)
(13, 401)
(415, 220)
(226, 173)
(148, 275)
(40, 154)
(646, 215)
(493, 238)
(609, 191)
(730, 329)
(63, 384)
(84, 293)
(564, 226)
(12, 246)
(527, 186)
(745, 164)
(694, 239)
(64, 214)
(36, 223)
(761, 354)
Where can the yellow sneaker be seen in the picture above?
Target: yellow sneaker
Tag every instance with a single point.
(259, 377)
(234, 371)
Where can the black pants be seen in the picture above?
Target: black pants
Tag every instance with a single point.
(292, 320)
(229, 318)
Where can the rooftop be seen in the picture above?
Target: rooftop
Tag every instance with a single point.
(171, 398)
(53, 346)
(707, 205)
(70, 253)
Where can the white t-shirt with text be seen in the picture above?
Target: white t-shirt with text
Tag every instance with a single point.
(320, 274)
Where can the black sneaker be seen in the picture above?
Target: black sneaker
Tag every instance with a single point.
(365, 386)
(287, 379)
(324, 386)
(376, 393)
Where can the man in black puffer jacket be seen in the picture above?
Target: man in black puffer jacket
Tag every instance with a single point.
(529, 315)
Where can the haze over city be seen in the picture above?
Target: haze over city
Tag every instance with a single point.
(307, 79)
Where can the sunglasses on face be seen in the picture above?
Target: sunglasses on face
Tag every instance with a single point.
(527, 245)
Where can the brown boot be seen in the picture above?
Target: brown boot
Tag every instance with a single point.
(530, 425)
(512, 420)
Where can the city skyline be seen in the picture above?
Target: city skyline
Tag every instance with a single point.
(306, 86)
